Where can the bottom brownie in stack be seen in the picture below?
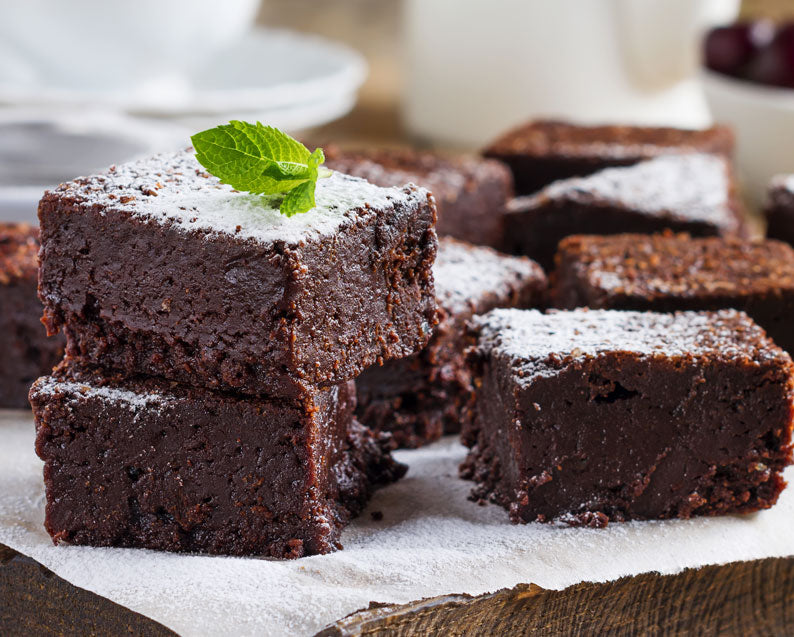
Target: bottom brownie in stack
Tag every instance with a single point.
(419, 398)
(594, 416)
(149, 463)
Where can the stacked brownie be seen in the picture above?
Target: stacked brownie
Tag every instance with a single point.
(471, 193)
(421, 397)
(692, 193)
(206, 403)
(586, 417)
(666, 273)
(780, 209)
(27, 352)
(544, 151)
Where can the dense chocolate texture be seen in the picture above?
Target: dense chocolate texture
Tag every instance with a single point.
(587, 417)
(669, 273)
(544, 151)
(779, 210)
(471, 193)
(692, 193)
(27, 352)
(156, 268)
(418, 398)
(151, 464)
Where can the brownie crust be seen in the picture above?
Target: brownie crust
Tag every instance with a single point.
(471, 192)
(593, 417)
(419, 398)
(144, 269)
(543, 151)
(668, 273)
(151, 464)
(28, 352)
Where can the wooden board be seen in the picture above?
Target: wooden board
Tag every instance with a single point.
(741, 598)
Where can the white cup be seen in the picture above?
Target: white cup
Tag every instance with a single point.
(477, 67)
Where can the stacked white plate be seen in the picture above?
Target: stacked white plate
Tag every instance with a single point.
(51, 131)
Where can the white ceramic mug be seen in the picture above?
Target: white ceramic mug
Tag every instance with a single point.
(477, 67)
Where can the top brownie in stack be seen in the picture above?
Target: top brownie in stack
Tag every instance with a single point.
(544, 151)
(471, 193)
(418, 398)
(156, 268)
(666, 273)
(27, 352)
(780, 209)
(692, 193)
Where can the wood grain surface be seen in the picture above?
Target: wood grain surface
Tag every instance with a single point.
(741, 598)
(34, 601)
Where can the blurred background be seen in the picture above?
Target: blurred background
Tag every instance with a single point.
(85, 83)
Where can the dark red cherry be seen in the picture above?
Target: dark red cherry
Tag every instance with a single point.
(774, 64)
(728, 49)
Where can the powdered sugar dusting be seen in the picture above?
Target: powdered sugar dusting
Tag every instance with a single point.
(173, 189)
(465, 274)
(49, 385)
(687, 187)
(536, 344)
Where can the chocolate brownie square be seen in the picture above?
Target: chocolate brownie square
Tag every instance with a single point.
(471, 193)
(152, 464)
(587, 417)
(157, 268)
(544, 151)
(692, 193)
(779, 210)
(666, 273)
(27, 352)
(418, 398)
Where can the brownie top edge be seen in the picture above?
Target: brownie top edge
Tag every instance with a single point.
(446, 176)
(537, 345)
(658, 265)
(466, 274)
(173, 189)
(552, 137)
(690, 187)
(135, 399)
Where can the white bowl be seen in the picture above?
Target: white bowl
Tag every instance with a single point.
(763, 119)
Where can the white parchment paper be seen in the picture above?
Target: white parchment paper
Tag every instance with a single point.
(431, 541)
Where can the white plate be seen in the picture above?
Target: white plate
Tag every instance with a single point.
(282, 77)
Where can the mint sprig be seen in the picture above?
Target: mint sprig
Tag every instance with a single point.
(262, 160)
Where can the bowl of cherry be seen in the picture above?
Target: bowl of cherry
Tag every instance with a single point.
(748, 79)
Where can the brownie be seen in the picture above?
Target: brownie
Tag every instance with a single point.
(544, 151)
(666, 273)
(586, 417)
(691, 193)
(420, 397)
(152, 464)
(779, 210)
(471, 192)
(155, 267)
(27, 352)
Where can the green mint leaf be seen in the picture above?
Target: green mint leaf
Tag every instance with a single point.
(262, 160)
(299, 199)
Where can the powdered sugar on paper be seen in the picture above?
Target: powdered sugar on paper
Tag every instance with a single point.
(432, 540)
